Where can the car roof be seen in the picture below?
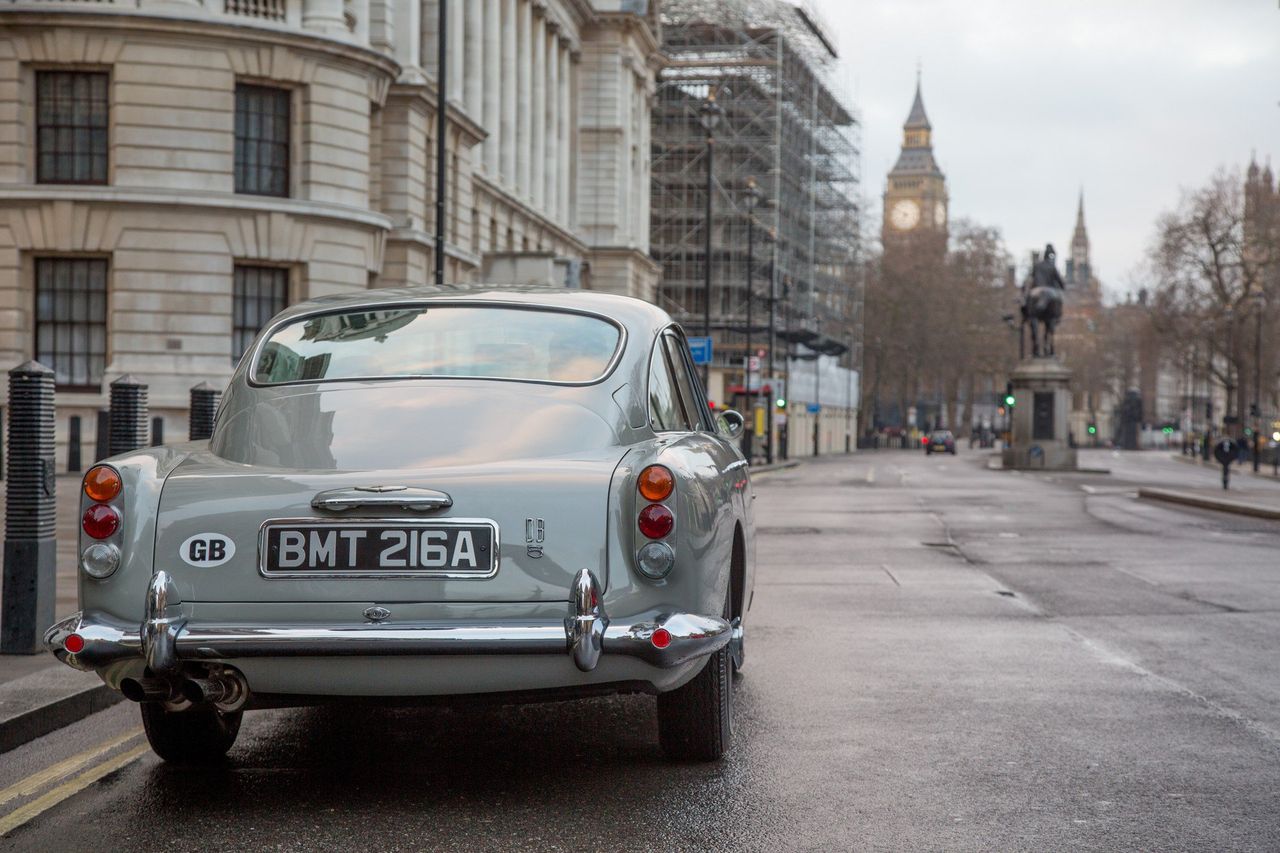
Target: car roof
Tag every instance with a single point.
(631, 312)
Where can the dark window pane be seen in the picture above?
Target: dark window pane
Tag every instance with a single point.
(258, 294)
(71, 318)
(262, 140)
(71, 127)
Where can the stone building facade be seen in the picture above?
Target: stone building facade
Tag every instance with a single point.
(173, 172)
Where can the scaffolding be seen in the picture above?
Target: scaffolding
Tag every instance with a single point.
(787, 124)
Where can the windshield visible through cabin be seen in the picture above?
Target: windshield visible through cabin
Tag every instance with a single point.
(473, 341)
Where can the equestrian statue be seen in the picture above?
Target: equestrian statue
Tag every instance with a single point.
(1042, 296)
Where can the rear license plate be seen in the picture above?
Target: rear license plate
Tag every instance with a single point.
(360, 548)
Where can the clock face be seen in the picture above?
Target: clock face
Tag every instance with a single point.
(940, 214)
(905, 215)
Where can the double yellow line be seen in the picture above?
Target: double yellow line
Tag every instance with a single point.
(37, 781)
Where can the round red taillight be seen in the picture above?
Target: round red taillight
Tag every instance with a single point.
(102, 483)
(74, 643)
(656, 483)
(661, 638)
(100, 521)
(656, 521)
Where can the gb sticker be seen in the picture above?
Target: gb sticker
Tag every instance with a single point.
(206, 550)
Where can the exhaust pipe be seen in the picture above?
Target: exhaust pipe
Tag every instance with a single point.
(226, 690)
(147, 690)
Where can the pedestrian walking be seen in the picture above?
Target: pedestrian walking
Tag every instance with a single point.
(1226, 451)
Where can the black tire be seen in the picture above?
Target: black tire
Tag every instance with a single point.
(695, 721)
(198, 736)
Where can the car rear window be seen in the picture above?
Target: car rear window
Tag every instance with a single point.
(447, 340)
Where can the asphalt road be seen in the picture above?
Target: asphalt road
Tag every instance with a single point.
(940, 657)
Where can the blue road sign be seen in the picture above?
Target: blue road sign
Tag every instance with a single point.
(700, 349)
(813, 408)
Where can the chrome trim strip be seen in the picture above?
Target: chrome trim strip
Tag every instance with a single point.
(419, 574)
(372, 639)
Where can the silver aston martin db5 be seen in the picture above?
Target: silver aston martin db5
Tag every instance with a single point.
(416, 493)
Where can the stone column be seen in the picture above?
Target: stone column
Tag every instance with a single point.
(323, 16)
(524, 65)
(507, 133)
(382, 26)
(566, 137)
(538, 136)
(492, 84)
(407, 32)
(551, 187)
(473, 82)
(429, 41)
(457, 47)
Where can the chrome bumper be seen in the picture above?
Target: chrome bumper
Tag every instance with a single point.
(166, 638)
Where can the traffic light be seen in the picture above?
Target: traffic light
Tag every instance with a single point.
(1009, 399)
(1093, 429)
(782, 402)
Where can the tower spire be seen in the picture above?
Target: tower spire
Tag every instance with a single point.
(1078, 263)
(918, 118)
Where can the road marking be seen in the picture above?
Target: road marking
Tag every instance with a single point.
(871, 475)
(38, 780)
(19, 816)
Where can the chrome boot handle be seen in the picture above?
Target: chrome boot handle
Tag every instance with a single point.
(381, 497)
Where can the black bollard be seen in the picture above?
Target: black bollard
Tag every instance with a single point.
(204, 405)
(30, 546)
(102, 444)
(128, 415)
(73, 443)
(157, 431)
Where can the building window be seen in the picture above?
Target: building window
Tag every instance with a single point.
(259, 293)
(262, 140)
(71, 127)
(71, 319)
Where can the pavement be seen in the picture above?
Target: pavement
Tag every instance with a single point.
(37, 694)
(940, 657)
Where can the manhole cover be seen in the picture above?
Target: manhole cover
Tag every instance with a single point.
(788, 531)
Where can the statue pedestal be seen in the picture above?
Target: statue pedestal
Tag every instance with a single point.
(1042, 401)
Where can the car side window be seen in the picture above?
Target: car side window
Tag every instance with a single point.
(665, 413)
(689, 397)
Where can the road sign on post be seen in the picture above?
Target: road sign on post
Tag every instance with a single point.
(700, 349)
(813, 408)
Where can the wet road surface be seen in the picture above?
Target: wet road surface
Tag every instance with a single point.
(939, 657)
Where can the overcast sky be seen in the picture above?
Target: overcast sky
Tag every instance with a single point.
(1030, 99)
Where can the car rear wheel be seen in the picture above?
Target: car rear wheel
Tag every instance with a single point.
(695, 722)
(198, 735)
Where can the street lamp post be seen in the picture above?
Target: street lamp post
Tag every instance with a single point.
(817, 401)
(709, 115)
(753, 199)
(442, 127)
(773, 301)
(1257, 381)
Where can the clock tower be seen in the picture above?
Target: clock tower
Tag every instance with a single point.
(915, 197)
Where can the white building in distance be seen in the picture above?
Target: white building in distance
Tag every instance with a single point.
(173, 172)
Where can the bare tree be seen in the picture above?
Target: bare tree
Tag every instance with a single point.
(1213, 272)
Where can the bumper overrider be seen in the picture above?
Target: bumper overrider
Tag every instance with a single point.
(166, 639)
